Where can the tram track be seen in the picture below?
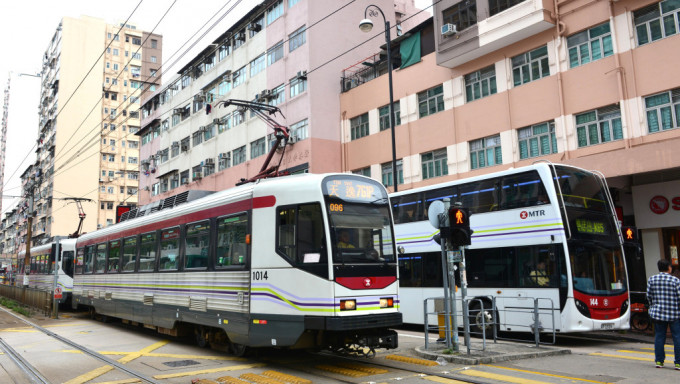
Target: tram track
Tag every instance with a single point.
(29, 370)
(26, 367)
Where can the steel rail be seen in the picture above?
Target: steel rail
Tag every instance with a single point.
(31, 372)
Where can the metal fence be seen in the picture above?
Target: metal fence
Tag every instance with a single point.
(37, 299)
(480, 317)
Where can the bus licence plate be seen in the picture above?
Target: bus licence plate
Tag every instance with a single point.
(607, 326)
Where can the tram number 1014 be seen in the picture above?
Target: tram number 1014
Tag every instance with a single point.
(260, 275)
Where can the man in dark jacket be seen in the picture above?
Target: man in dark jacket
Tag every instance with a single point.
(663, 294)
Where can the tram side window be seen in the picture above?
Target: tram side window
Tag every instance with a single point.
(197, 245)
(80, 258)
(100, 258)
(407, 208)
(49, 267)
(439, 194)
(169, 249)
(147, 252)
(523, 190)
(129, 254)
(113, 261)
(67, 263)
(231, 240)
(480, 196)
(301, 234)
(88, 259)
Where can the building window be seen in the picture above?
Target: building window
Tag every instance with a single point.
(115, 51)
(257, 148)
(384, 116)
(359, 126)
(153, 59)
(197, 138)
(387, 173)
(480, 83)
(239, 77)
(154, 43)
(257, 65)
(239, 155)
(274, 12)
(364, 171)
(656, 21)
(537, 140)
(278, 95)
(590, 45)
(663, 110)
(431, 101)
(237, 118)
(434, 164)
(136, 41)
(299, 130)
(275, 53)
(498, 6)
(184, 177)
(462, 15)
(599, 126)
(530, 66)
(225, 50)
(297, 86)
(485, 152)
(297, 39)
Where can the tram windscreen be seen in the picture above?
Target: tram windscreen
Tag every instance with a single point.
(359, 216)
(595, 251)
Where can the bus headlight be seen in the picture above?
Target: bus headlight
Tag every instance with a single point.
(386, 302)
(348, 305)
(624, 307)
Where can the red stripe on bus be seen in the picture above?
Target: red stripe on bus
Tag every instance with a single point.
(372, 282)
(226, 209)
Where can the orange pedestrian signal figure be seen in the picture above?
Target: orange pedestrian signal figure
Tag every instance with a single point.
(459, 217)
(629, 234)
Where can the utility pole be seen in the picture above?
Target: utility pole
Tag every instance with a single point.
(29, 228)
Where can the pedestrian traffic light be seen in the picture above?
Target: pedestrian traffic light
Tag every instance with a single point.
(459, 221)
(630, 234)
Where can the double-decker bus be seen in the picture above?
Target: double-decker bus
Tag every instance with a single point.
(543, 231)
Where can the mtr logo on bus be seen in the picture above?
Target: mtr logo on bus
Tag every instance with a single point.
(525, 215)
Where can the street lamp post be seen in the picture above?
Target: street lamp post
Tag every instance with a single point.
(366, 25)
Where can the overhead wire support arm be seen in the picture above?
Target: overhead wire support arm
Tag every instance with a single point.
(81, 213)
(282, 133)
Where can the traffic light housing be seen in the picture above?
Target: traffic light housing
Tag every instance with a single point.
(459, 221)
(630, 234)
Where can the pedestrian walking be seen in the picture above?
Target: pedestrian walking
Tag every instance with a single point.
(663, 295)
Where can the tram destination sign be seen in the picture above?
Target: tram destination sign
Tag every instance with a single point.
(352, 190)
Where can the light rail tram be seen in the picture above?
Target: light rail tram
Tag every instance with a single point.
(258, 265)
(545, 231)
(43, 260)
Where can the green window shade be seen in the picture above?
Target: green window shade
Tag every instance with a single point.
(523, 150)
(482, 159)
(493, 85)
(545, 67)
(595, 49)
(554, 143)
(545, 145)
(473, 160)
(592, 134)
(582, 139)
(666, 118)
(653, 121)
(533, 147)
(585, 54)
(410, 50)
(618, 129)
(605, 132)
(573, 57)
(607, 46)
(653, 101)
(499, 155)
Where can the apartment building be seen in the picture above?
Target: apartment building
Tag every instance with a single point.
(283, 53)
(93, 77)
(503, 84)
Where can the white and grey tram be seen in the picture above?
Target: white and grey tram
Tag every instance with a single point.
(257, 265)
(43, 261)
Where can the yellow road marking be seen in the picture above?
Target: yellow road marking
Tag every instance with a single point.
(286, 378)
(107, 368)
(205, 371)
(638, 352)
(666, 347)
(626, 357)
(546, 374)
(497, 377)
(411, 360)
(438, 379)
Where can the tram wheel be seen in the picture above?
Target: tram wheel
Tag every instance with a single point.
(238, 349)
(201, 337)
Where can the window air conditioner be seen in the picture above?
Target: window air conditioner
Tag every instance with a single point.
(449, 29)
(224, 155)
(175, 144)
(217, 121)
(185, 148)
(210, 161)
(302, 75)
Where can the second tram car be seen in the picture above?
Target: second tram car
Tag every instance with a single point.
(544, 231)
(258, 265)
(44, 259)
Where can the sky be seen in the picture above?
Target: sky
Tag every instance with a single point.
(26, 28)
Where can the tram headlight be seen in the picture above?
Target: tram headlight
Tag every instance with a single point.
(386, 302)
(624, 307)
(348, 305)
(583, 308)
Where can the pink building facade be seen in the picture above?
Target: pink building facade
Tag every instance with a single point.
(504, 84)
